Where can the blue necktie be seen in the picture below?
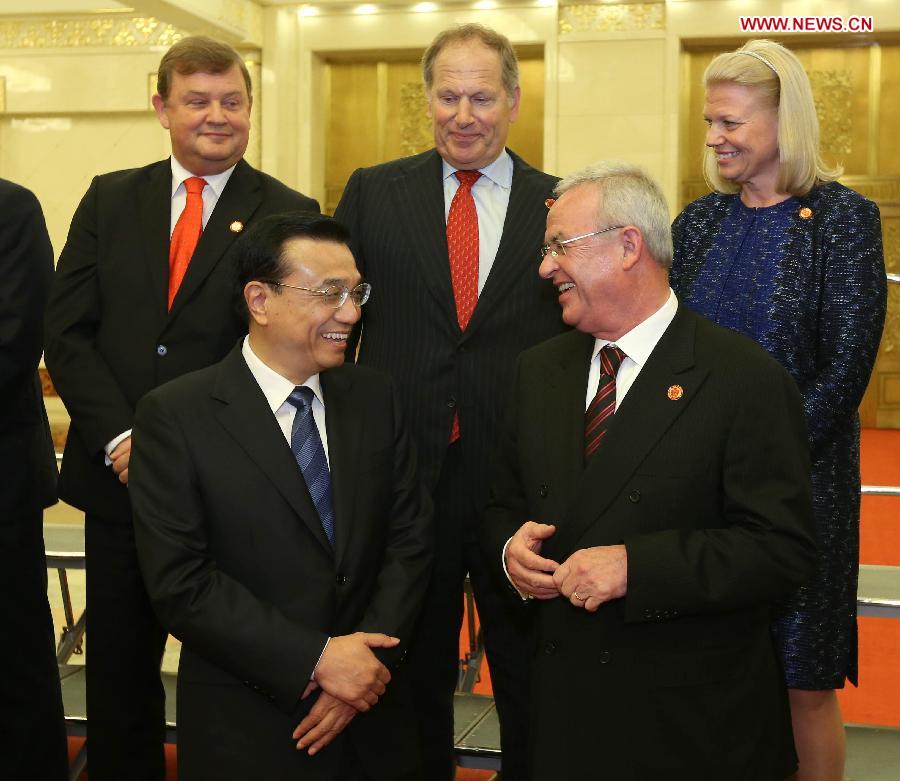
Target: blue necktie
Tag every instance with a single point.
(310, 454)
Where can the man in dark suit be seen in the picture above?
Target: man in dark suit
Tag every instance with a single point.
(277, 586)
(450, 239)
(653, 496)
(32, 735)
(142, 295)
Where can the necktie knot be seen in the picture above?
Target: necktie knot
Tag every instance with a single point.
(301, 397)
(611, 358)
(194, 185)
(467, 178)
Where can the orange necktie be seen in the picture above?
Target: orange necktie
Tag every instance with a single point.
(462, 247)
(186, 234)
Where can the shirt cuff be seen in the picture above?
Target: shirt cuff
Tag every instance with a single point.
(525, 597)
(312, 676)
(113, 444)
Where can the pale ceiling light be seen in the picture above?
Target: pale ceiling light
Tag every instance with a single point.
(308, 10)
(485, 5)
(424, 8)
(545, 3)
(368, 8)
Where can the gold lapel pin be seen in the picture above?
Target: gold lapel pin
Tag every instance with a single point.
(675, 392)
(806, 213)
(236, 227)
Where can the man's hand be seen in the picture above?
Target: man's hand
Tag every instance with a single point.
(324, 722)
(531, 573)
(592, 576)
(120, 456)
(350, 671)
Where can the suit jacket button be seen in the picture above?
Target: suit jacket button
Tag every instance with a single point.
(603, 657)
(340, 578)
(635, 496)
(543, 490)
(161, 349)
(451, 402)
(550, 648)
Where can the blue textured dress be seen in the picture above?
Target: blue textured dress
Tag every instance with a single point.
(804, 278)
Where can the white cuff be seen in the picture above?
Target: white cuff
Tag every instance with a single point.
(525, 597)
(113, 444)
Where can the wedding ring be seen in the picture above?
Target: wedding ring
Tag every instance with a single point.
(580, 599)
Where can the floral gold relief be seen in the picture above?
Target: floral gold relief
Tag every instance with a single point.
(833, 94)
(82, 33)
(415, 128)
(605, 18)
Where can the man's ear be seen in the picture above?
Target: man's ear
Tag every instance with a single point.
(159, 105)
(256, 296)
(632, 246)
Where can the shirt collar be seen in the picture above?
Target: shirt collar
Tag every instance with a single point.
(639, 342)
(275, 388)
(500, 172)
(216, 181)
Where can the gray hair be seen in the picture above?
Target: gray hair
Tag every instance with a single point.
(628, 196)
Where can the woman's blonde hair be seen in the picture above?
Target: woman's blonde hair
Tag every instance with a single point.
(781, 83)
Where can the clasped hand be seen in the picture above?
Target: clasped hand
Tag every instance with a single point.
(351, 678)
(588, 578)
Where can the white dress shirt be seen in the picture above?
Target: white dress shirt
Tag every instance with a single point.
(276, 389)
(637, 345)
(215, 184)
(491, 196)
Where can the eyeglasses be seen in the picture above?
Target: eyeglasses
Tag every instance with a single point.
(334, 296)
(558, 246)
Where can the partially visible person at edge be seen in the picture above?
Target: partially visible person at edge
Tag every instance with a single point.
(449, 240)
(784, 254)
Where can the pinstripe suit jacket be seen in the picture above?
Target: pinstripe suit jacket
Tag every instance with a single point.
(395, 212)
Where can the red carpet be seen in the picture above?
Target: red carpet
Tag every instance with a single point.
(877, 700)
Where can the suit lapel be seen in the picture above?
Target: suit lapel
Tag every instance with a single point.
(641, 420)
(514, 258)
(155, 217)
(420, 196)
(345, 425)
(239, 200)
(246, 415)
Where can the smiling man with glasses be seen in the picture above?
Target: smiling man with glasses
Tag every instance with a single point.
(284, 535)
(651, 503)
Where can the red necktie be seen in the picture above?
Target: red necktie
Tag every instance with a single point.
(462, 246)
(186, 234)
(603, 405)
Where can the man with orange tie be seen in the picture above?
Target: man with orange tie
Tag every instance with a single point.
(449, 240)
(143, 294)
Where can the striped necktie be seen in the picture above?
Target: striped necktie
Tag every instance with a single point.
(603, 405)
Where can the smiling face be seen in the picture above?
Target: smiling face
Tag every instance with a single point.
(469, 108)
(208, 119)
(743, 135)
(589, 276)
(295, 332)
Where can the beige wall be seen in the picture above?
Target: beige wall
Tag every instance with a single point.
(77, 104)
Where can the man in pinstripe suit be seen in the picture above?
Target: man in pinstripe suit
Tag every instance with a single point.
(453, 370)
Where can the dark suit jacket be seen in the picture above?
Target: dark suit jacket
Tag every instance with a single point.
(27, 462)
(395, 212)
(238, 567)
(109, 336)
(710, 494)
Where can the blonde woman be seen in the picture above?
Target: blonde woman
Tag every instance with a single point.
(784, 254)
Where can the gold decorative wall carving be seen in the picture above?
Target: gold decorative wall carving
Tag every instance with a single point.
(833, 95)
(81, 33)
(415, 126)
(611, 18)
